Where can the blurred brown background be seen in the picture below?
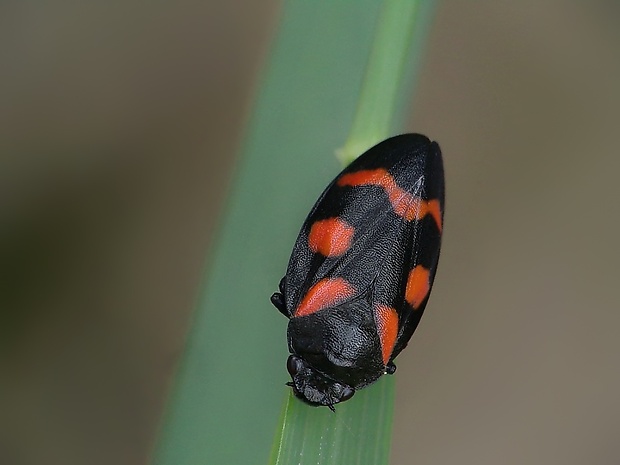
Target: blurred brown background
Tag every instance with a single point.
(118, 129)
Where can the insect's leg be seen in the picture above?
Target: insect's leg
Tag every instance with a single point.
(282, 284)
(277, 299)
(390, 368)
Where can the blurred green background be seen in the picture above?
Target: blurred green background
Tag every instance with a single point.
(119, 126)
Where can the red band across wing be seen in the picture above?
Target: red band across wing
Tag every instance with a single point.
(326, 293)
(330, 237)
(387, 327)
(406, 205)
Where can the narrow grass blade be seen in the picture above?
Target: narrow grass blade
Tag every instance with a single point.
(357, 433)
(228, 390)
(360, 430)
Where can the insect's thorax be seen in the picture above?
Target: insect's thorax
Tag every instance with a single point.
(348, 347)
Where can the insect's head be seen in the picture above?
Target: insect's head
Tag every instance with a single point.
(314, 387)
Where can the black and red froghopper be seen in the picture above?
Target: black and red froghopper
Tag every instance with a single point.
(362, 269)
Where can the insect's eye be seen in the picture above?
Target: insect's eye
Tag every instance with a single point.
(347, 393)
(294, 365)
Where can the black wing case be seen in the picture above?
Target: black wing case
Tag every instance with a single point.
(425, 241)
(374, 224)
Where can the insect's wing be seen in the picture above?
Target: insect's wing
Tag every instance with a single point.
(361, 237)
(423, 250)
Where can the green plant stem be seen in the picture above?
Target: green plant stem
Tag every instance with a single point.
(387, 66)
(230, 382)
(360, 430)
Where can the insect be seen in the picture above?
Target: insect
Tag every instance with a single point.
(362, 269)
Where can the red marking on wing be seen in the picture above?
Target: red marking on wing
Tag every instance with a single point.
(433, 208)
(330, 237)
(406, 205)
(418, 286)
(326, 293)
(387, 327)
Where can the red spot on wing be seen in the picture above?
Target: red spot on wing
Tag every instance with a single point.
(418, 286)
(405, 204)
(330, 237)
(387, 327)
(326, 293)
